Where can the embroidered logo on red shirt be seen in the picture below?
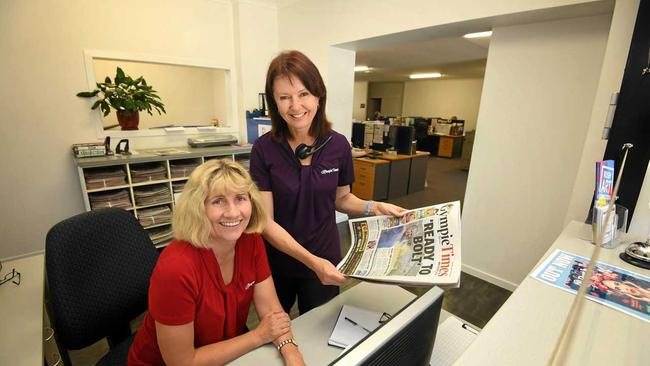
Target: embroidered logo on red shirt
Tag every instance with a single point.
(248, 285)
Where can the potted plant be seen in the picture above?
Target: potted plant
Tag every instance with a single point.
(127, 96)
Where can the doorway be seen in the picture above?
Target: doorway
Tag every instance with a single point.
(374, 105)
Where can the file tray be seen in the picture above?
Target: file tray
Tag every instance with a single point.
(208, 141)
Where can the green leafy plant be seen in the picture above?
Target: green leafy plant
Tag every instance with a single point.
(125, 94)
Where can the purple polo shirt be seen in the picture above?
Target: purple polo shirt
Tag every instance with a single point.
(303, 197)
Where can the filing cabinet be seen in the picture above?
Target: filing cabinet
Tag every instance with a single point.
(371, 178)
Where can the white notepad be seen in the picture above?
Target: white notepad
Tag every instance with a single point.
(452, 339)
(352, 325)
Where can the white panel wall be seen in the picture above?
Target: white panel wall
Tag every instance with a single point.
(42, 68)
(538, 92)
(391, 94)
(444, 98)
(258, 35)
(360, 96)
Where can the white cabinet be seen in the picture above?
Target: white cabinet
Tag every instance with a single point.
(147, 183)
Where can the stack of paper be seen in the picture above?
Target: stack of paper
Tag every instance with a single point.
(352, 325)
(149, 195)
(104, 177)
(183, 168)
(148, 172)
(118, 198)
(155, 216)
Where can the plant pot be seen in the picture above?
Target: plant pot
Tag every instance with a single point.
(128, 120)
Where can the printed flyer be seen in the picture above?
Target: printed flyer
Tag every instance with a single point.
(615, 287)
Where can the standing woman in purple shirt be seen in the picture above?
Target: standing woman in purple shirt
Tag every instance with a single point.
(304, 170)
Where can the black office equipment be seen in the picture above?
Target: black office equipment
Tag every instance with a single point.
(404, 136)
(406, 339)
(98, 266)
(358, 131)
(122, 150)
(213, 140)
(303, 150)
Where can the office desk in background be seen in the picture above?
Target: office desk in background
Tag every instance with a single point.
(21, 313)
(370, 178)
(312, 329)
(407, 173)
(524, 331)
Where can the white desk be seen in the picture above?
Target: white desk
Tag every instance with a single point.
(524, 331)
(312, 329)
(21, 313)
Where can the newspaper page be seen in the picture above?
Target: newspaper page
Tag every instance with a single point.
(612, 286)
(422, 248)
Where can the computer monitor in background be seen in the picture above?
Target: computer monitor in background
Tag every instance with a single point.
(403, 138)
(358, 131)
(406, 339)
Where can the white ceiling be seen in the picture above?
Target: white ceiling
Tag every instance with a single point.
(441, 48)
(454, 57)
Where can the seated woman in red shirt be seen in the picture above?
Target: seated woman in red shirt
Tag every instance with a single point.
(205, 280)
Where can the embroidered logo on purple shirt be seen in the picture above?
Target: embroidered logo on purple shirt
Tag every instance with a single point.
(329, 171)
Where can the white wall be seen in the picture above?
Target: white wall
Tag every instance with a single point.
(444, 98)
(391, 94)
(188, 93)
(42, 68)
(538, 92)
(258, 44)
(360, 95)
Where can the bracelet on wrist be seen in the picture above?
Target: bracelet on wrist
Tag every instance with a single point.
(285, 342)
(369, 206)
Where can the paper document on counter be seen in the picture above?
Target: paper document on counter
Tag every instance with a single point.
(611, 286)
(352, 325)
(422, 248)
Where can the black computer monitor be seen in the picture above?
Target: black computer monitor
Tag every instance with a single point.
(407, 339)
(358, 132)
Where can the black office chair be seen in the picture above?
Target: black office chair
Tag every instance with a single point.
(98, 266)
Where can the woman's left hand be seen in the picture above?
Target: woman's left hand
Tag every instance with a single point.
(384, 208)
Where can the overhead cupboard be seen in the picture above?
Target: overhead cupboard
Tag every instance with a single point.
(148, 182)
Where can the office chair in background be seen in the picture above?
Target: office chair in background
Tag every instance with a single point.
(98, 266)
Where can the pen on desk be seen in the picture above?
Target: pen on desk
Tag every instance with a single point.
(470, 329)
(357, 324)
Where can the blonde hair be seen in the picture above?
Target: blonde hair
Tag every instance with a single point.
(190, 222)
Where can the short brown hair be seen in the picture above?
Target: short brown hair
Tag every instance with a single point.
(296, 64)
(190, 222)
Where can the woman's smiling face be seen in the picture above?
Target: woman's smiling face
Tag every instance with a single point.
(229, 214)
(296, 105)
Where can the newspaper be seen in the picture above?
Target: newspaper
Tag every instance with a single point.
(422, 248)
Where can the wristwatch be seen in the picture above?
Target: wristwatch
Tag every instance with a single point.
(369, 205)
(285, 342)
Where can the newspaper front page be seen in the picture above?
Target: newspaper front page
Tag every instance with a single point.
(422, 248)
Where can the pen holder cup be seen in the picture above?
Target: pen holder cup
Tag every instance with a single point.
(617, 225)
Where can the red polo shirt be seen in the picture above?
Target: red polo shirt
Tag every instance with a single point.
(186, 285)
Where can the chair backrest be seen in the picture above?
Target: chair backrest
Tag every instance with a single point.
(98, 266)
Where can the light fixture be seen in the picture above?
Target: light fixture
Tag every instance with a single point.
(478, 34)
(361, 68)
(425, 76)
